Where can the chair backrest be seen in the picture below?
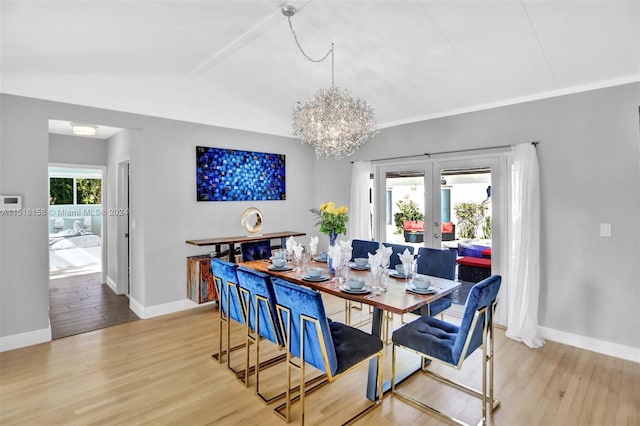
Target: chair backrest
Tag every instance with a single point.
(362, 248)
(437, 262)
(255, 250)
(482, 295)
(293, 301)
(260, 294)
(226, 281)
(398, 249)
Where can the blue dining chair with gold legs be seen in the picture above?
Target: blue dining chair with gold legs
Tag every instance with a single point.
(359, 248)
(437, 263)
(231, 308)
(396, 251)
(260, 305)
(449, 344)
(333, 348)
(255, 250)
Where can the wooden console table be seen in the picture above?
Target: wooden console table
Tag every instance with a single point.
(232, 241)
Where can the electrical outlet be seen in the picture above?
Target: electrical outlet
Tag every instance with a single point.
(605, 229)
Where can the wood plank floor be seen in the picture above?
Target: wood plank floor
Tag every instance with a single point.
(82, 303)
(160, 371)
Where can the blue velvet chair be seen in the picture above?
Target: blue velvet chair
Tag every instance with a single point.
(255, 250)
(362, 248)
(450, 344)
(231, 306)
(331, 347)
(437, 263)
(260, 305)
(359, 248)
(397, 250)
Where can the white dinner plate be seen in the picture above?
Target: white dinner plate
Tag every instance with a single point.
(319, 259)
(316, 279)
(412, 288)
(281, 269)
(352, 265)
(395, 274)
(347, 289)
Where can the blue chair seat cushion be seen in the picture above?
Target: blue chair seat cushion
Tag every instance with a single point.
(429, 336)
(437, 306)
(352, 345)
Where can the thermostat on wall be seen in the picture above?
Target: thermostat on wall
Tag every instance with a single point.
(10, 202)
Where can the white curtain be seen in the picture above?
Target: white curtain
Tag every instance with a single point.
(359, 209)
(523, 270)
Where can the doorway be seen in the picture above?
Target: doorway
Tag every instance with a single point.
(75, 223)
(433, 193)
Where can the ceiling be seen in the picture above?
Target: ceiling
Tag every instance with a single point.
(235, 63)
(63, 127)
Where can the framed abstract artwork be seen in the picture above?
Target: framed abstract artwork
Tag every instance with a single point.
(233, 175)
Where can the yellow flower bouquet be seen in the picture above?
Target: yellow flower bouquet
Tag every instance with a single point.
(331, 219)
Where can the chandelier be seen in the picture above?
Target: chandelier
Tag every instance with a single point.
(335, 123)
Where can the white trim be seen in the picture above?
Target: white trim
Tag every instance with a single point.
(589, 343)
(633, 78)
(163, 309)
(30, 338)
(112, 285)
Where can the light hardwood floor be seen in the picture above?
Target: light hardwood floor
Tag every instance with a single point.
(159, 371)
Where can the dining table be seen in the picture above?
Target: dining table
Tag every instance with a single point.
(396, 299)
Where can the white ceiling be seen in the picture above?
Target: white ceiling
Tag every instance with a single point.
(235, 63)
(63, 127)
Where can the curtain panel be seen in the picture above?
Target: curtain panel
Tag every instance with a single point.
(524, 247)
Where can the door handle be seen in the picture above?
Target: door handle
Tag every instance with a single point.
(126, 235)
(436, 235)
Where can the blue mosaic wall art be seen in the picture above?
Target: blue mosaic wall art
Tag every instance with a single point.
(234, 175)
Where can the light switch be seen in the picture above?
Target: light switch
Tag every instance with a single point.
(605, 229)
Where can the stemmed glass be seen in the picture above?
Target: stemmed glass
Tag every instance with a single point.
(300, 263)
(377, 272)
(408, 270)
(386, 262)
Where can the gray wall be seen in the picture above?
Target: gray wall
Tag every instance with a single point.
(589, 156)
(77, 150)
(164, 212)
(590, 173)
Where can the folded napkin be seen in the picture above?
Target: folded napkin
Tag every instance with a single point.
(335, 253)
(313, 245)
(291, 243)
(346, 249)
(297, 251)
(375, 261)
(385, 253)
(406, 257)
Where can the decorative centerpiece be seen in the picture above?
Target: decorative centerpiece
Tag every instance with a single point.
(332, 221)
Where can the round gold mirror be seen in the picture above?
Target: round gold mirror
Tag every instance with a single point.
(252, 220)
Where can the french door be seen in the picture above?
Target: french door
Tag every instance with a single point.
(404, 193)
(433, 188)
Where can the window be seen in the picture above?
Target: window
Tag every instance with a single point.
(76, 190)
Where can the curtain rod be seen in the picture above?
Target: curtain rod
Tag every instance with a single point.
(429, 154)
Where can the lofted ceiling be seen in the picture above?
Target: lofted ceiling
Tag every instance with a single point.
(235, 63)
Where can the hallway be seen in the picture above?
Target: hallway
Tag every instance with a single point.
(82, 303)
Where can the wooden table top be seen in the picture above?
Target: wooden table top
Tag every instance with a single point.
(396, 299)
(244, 238)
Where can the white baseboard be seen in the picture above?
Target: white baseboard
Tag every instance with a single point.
(589, 343)
(163, 309)
(30, 338)
(112, 284)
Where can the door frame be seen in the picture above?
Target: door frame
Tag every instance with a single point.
(498, 160)
(380, 191)
(123, 243)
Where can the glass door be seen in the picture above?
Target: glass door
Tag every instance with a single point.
(404, 212)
